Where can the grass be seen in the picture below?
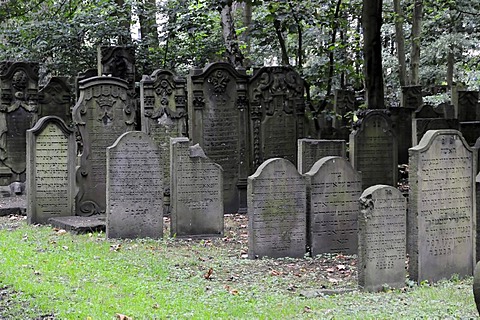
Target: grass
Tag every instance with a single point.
(88, 277)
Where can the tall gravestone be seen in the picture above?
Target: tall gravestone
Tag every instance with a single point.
(466, 103)
(382, 238)
(441, 214)
(18, 113)
(56, 99)
(344, 102)
(427, 118)
(101, 115)
(218, 121)
(50, 170)
(276, 211)
(163, 112)
(373, 149)
(134, 188)
(196, 192)
(333, 189)
(312, 150)
(277, 109)
(118, 62)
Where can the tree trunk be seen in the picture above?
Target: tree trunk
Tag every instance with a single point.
(300, 36)
(371, 23)
(416, 38)
(331, 60)
(233, 52)
(148, 29)
(124, 16)
(400, 40)
(247, 20)
(450, 65)
(281, 40)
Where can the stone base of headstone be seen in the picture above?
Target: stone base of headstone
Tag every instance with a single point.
(78, 224)
(13, 205)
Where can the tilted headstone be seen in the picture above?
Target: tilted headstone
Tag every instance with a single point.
(56, 99)
(312, 150)
(277, 108)
(134, 188)
(373, 149)
(429, 118)
(196, 192)
(118, 62)
(441, 214)
(382, 238)
(18, 113)
(163, 112)
(51, 157)
(276, 211)
(218, 121)
(101, 115)
(333, 189)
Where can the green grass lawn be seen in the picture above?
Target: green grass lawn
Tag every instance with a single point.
(88, 277)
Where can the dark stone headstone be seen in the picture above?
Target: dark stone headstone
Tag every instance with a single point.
(333, 189)
(276, 211)
(382, 238)
(429, 118)
(56, 99)
(467, 105)
(51, 158)
(470, 131)
(312, 150)
(441, 215)
(101, 115)
(344, 102)
(476, 286)
(118, 62)
(412, 97)
(78, 224)
(134, 188)
(402, 126)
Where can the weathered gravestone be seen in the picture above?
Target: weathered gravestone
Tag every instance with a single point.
(312, 150)
(163, 112)
(427, 118)
(101, 115)
(441, 215)
(477, 203)
(51, 156)
(18, 113)
(218, 121)
(277, 109)
(466, 105)
(134, 188)
(196, 192)
(56, 99)
(276, 211)
(373, 149)
(118, 62)
(344, 102)
(333, 189)
(476, 286)
(382, 238)
(402, 127)
(411, 97)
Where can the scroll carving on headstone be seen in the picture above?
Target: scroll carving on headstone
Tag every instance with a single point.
(118, 62)
(56, 99)
(101, 115)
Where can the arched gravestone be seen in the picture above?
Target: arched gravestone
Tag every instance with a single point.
(441, 214)
(51, 157)
(218, 121)
(277, 109)
(101, 115)
(163, 112)
(134, 188)
(333, 189)
(276, 211)
(373, 149)
(56, 99)
(382, 238)
(18, 113)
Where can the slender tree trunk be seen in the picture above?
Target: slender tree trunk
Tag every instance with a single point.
(125, 16)
(148, 29)
(233, 52)
(331, 56)
(281, 40)
(450, 65)
(247, 20)
(416, 38)
(372, 22)
(400, 40)
(298, 23)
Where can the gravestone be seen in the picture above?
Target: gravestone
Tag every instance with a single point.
(373, 149)
(333, 189)
(429, 118)
(470, 131)
(466, 103)
(50, 170)
(476, 286)
(134, 188)
(218, 121)
(277, 109)
(402, 127)
(196, 192)
(118, 62)
(18, 113)
(344, 102)
(477, 203)
(163, 112)
(441, 214)
(312, 150)
(101, 115)
(382, 238)
(276, 211)
(56, 99)
(411, 97)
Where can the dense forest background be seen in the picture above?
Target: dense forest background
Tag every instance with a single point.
(428, 43)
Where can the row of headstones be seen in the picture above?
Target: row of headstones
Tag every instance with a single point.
(438, 234)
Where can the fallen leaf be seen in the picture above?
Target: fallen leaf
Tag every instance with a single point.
(330, 270)
(275, 273)
(156, 306)
(341, 267)
(122, 317)
(208, 274)
(307, 309)
(61, 231)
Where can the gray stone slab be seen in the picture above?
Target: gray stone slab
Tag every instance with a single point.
(442, 207)
(196, 192)
(382, 238)
(276, 211)
(311, 150)
(134, 188)
(476, 286)
(79, 224)
(333, 189)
